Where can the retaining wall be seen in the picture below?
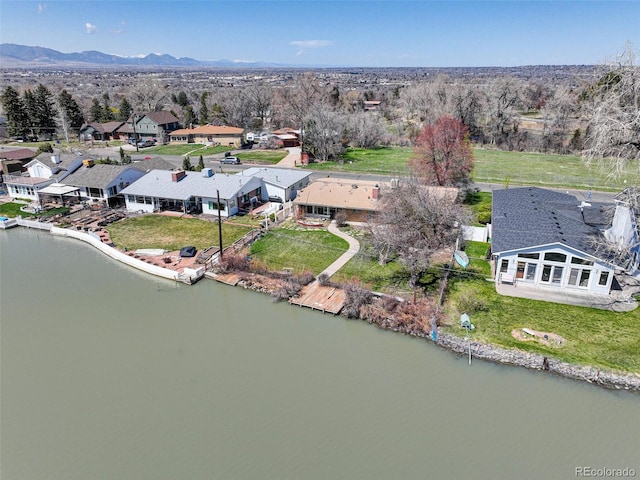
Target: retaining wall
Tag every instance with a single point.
(117, 254)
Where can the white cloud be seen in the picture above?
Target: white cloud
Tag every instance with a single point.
(42, 7)
(305, 44)
(90, 28)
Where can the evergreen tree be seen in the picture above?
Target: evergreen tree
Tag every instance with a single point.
(186, 164)
(95, 112)
(46, 112)
(200, 164)
(204, 110)
(15, 110)
(189, 117)
(107, 114)
(182, 99)
(71, 112)
(125, 110)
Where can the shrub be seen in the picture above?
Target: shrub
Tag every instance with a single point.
(484, 214)
(341, 219)
(356, 298)
(471, 301)
(231, 262)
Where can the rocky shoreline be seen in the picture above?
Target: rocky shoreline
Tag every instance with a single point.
(533, 361)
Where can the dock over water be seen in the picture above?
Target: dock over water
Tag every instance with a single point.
(319, 297)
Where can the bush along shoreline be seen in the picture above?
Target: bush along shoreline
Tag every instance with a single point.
(404, 321)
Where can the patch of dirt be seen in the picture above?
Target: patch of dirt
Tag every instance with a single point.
(545, 338)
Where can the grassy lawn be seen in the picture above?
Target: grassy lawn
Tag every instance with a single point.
(193, 149)
(12, 210)
(593, 337)
(480, 204)
(300, 250)
(266, 157)
(171, 233)
(390, 278)
(494, 166)
(385, 160)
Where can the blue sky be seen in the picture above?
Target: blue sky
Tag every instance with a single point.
(333, 33)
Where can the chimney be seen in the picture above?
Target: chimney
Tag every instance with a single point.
(375, 193)
(55, 159)
(178, 175)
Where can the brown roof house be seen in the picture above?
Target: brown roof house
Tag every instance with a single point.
(358, 199)
(209, 134)
(149, 125)
(324, 198)
(13, 161)
(100, 131)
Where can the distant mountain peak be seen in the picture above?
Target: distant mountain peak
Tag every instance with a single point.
(13, 55)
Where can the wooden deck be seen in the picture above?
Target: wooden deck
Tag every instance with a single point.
(317, 297)
(227, 278)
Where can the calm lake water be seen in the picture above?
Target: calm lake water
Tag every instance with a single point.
(108, 373)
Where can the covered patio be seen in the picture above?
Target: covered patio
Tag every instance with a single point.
(57, 192)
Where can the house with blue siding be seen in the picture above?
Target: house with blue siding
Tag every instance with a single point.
(550, 240)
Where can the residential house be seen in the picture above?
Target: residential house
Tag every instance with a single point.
(359, 200)
(101, 183)
(100, 131)
(551, 240)
(287, 137)
(13, 161)
(150, 125)
(184, 191)
(371, 105)
(284, 183)
(42, 171)
(209, 134)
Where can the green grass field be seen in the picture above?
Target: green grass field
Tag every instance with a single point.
(384, 160)
(193, 149)
(593, 337)
(493, 166)
(300, 250)
(171, 233)
(515, 168)
(266, 157)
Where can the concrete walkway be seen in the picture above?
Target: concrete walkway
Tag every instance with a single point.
(292, 160)
(354, 248)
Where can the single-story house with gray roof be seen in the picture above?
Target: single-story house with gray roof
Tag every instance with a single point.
(280, 182)
(194, 191)
(551, 240)
(101, 182)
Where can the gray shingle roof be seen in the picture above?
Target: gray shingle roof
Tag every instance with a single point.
(282, 177)
(531, 216)
(98, 176)
(159, 183)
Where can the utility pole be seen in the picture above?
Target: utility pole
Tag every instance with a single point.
(219, 224)
(135, 134)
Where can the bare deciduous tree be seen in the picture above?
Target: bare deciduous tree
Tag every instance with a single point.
(415, 221)
(613, 134)
(366, 130)
(323, 133)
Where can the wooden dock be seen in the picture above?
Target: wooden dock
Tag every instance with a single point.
(227, 278)
(318, 297)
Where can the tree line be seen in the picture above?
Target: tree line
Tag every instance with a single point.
(506, 113)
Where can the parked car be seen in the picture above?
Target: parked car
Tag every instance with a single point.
(146, 143)
(275, 199)
(230, 159)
